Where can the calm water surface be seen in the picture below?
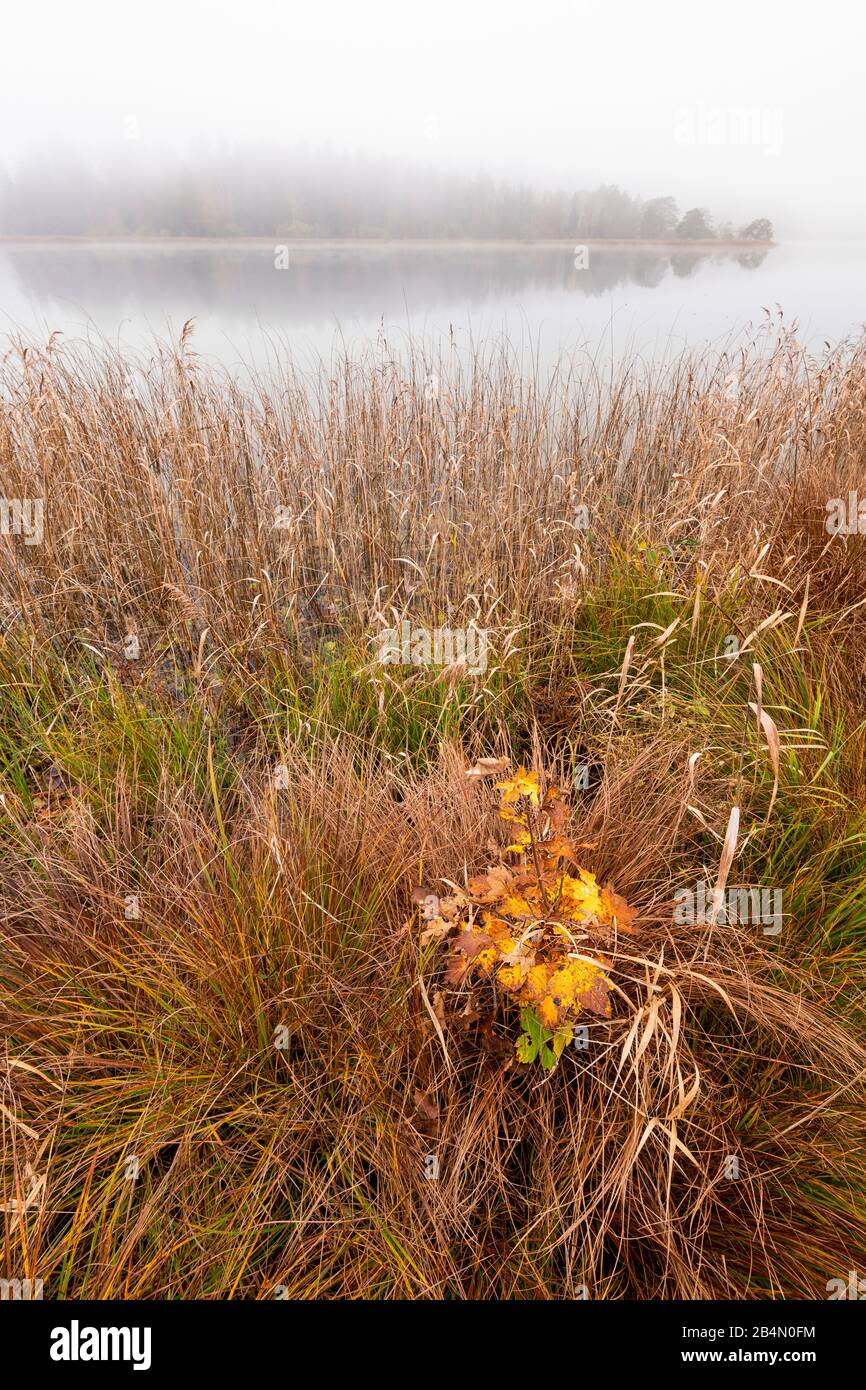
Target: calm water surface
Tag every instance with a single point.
(653, 300)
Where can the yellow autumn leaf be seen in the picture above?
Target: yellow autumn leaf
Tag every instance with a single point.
(511, 977)
(522, 784)
(548, 1012)
(579, 897)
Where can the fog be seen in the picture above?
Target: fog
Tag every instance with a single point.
(749, 110)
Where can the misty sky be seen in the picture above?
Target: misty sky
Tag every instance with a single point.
(554, 92)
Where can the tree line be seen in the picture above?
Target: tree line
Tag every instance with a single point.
(302, 194)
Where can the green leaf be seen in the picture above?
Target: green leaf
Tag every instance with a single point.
(531, 1024)
(534, 1038)
(527, 1049)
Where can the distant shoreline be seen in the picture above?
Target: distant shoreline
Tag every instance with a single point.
(388, 243)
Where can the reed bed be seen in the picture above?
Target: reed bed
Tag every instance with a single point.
(665, 610)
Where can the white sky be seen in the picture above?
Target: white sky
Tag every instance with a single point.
(555, 92)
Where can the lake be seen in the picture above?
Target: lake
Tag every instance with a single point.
(252, 302)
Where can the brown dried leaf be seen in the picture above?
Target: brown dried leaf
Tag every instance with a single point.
(471, 943)
(596, 997)
(436, 929)
(450, 907)
(488, 767)
(427, 1108)
(618, 909)
(555, 809)
(559, 847)
(455, 972)
(490, 887)
(439, 1008)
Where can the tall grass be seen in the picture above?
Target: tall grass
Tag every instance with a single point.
(167, 910)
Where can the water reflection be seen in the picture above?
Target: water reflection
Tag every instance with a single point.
(652, 300)
(325, 283)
